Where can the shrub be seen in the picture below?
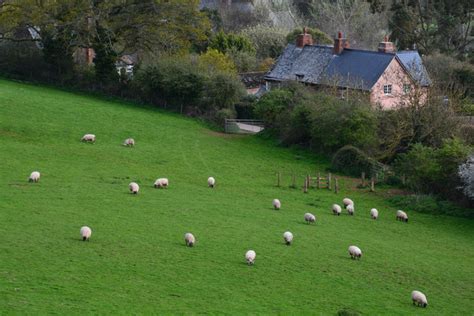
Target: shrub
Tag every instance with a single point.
(353, 161)
(215, 61)
(272, 105)
(432, 170)
(430, 204)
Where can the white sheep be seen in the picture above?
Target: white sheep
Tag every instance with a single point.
(419, 299)
(402, 216)
(309, 218)
(250, 257)
(189, 239)
(211, 182)
(374, 214)
(336, 209)
(161, 183)
(355, 252)
(347, 201)
(34, 176)
(134, 187)
(276, 204)
(288, 237)
(350, 209)
(130, 142)
(88, 138)
(86, 233)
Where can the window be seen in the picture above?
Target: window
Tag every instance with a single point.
(406, 88)
(387, 89)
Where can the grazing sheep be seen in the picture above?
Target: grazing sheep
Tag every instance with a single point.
(161, 183)
(250, 257)
(288, 238)
(34, 176)
(86, 233)
(88, 138)
(355, 252)
(347, 202)
(309, 218)
(374, 214)
(130, 142)
(276, 204)
(189, 239)
(211, 182)
(419, 298)
(350, 209)
(336, 209)
(402, 216)
(134, 187)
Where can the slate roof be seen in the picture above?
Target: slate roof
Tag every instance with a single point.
(411, 60)
(353, 68)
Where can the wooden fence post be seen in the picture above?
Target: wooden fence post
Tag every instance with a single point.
(278, 179)
(372, 184)
(319, 181)
(329, 181)
(336, 185)
(309, 181)
(362, 179)
(293, 181)
(305, 187)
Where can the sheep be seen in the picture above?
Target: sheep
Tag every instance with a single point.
(288, 237)
(402, 216)
(347, 202)
(129, 142)
(211, 182)
(374, 214)
(88, 138)
(189, 239)
(134, 187)
(350, 209)
(419, 298)
(34, 176)
(336, 209)
(355, 252)
(161, 183)
(86, 233)
(276, 204)
(250, 257)
(309, 218)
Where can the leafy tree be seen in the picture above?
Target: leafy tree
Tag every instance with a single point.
(226, 42)
(268, 41)
(213, 60)
(319, 37)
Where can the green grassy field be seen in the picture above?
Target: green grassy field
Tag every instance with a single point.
(136, 261)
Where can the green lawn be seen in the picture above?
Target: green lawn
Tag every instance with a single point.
(136, 260)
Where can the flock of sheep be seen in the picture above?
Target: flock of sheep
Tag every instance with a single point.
(355, 252)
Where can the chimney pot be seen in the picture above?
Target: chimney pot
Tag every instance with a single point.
(304, 39)
(339, 34)
(386, 46)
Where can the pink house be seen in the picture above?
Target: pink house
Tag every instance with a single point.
(389, 78)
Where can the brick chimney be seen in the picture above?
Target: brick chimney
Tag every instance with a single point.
(339, 44)
(386, 46)
(304, 39)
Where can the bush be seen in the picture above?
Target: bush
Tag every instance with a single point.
(434, 170)
(353, 161)
(430, 205)
(466, 173)
(268, 41)
(272, 105)
(226, 42)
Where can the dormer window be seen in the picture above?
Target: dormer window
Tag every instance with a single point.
(387, 89)
(299, 77)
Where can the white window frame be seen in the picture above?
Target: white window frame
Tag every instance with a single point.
(387, 89)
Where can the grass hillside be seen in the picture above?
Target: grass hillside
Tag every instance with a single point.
(136, 260)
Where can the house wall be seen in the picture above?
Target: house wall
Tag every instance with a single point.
(396, 76)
